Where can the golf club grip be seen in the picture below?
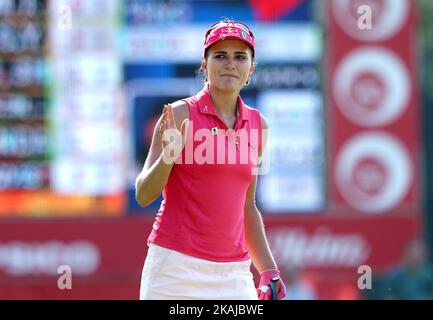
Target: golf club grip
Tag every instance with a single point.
(274, 292)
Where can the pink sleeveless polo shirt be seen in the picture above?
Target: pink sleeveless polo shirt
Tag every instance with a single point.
(202, 211)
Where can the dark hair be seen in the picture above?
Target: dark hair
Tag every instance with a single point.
(201, 76)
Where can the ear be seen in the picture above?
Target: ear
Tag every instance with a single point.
(204, 68)
(251, 69)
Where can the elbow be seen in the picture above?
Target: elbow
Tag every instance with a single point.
(143, 196)
(145, 191)
(139, 199)
(139, 193)
(143, 199)
(141, 202)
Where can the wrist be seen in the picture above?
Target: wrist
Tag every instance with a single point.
(270, 272)
(267, 275)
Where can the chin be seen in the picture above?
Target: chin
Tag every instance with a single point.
(229, 87)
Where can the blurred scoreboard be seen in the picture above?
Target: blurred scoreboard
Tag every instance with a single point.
(24, 155)
(61, 110)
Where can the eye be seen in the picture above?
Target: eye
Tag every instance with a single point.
(219, 56)
(241, 57)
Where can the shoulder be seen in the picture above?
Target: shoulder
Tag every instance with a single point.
(263, 120)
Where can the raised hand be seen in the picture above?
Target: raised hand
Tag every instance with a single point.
(172, 139)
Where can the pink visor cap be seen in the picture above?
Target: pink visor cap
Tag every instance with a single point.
(228, 29)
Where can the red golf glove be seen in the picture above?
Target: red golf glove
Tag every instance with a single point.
(264, 291)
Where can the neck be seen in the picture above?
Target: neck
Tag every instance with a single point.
(224, 102)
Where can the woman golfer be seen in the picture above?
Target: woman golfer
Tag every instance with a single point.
(208, 228)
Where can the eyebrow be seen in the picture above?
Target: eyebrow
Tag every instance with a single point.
(237, 52)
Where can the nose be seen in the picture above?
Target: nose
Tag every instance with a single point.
(230, 65)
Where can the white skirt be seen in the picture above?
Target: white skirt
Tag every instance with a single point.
(171, 275)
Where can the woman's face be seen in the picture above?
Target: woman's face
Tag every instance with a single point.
(228, 65)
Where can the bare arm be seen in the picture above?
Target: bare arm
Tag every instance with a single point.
(153, 177)
(255, 236)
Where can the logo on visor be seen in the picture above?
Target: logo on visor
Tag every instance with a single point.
(244, 35)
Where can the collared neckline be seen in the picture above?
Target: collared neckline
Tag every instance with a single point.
(206, 105)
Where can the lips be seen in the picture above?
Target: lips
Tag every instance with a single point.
(230, 76)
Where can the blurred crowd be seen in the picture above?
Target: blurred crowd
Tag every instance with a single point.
(410, 279)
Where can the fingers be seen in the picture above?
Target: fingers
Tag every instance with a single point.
(163, 124)
(168, 125)
(264, 293)
(170, 117)
(164, 121)
(167, 113)
(264, 296)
